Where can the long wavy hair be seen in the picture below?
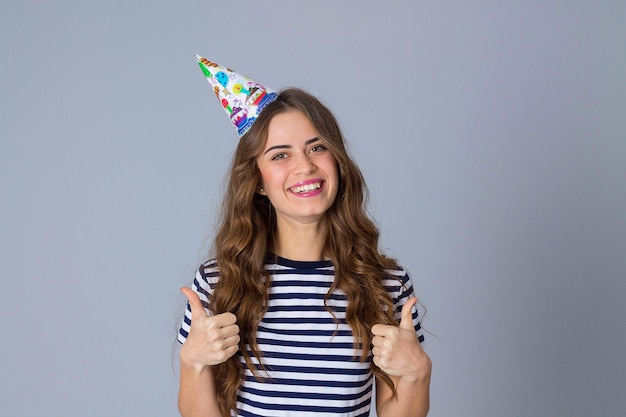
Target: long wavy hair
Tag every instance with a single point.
(246, 235)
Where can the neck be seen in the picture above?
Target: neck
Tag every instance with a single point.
(301, 242)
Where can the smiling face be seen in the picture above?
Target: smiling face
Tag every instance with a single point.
(298, 173)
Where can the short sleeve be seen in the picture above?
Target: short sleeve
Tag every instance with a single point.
(203, 284)
(399, 285)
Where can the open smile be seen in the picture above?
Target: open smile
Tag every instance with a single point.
(306, 187)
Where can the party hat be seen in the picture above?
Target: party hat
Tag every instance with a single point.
(242, 98)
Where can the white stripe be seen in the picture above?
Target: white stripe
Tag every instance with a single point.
(319, 389)
(321, 365)
(303, 339)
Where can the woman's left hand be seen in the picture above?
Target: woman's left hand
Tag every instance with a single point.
(397, 351)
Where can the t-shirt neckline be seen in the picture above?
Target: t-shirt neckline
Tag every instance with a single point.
(290, 263)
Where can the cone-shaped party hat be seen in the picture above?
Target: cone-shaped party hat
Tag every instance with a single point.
(242, 98)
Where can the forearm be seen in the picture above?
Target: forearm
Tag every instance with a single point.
(412, 399)
(196, 395)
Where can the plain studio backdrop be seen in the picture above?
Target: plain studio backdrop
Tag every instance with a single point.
(492, 135)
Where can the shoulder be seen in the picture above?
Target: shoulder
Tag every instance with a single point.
(399, 286)
(209, 271)
(204, 282)
(206, 278)
(397, 281)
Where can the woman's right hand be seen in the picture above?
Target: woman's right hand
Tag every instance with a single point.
(212, 339)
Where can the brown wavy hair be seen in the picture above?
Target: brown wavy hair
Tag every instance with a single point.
(246, 236)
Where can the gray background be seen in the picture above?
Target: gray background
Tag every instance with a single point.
(491, 134)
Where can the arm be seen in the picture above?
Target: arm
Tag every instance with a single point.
(413, 399)
(196, 395)
(211, 340)
(397, 352)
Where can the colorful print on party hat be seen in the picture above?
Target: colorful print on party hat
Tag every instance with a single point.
(241, 98)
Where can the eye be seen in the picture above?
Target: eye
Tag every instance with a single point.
(318, 148)
(279, 156)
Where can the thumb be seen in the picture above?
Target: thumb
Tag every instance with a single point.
(406, 321)
(194, 301)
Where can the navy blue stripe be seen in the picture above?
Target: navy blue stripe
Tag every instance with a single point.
(209, 271)
(311, 395)
(406, 293)
(302, 320)
(248, 414)
(201, 288)
(306, 296)
(301, 283)
(399, 288)
(310, 357)
(302, 272)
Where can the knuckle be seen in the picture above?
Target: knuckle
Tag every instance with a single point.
(220, 356)
(218, 345)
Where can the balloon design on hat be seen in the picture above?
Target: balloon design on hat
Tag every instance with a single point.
(241, 98)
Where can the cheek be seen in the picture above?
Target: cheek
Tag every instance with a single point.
(332, 172)
(332, 168)
(271, 178)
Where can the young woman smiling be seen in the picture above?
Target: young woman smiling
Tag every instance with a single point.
(297, 312)
(299, 177)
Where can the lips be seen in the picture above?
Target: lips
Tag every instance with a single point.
(306, 186)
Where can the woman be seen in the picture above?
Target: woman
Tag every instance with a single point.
(297, 311)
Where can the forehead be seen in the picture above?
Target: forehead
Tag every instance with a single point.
(290, 127)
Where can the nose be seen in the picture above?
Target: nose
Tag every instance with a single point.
(304, 165)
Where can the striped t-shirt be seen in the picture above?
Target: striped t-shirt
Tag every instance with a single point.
(313, 369)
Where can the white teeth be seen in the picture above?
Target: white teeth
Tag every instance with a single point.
(306, 188)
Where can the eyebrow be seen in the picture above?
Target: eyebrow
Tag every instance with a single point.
(308, 142)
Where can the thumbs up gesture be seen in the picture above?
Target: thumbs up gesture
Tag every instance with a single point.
(212, 339)
(397, 350)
